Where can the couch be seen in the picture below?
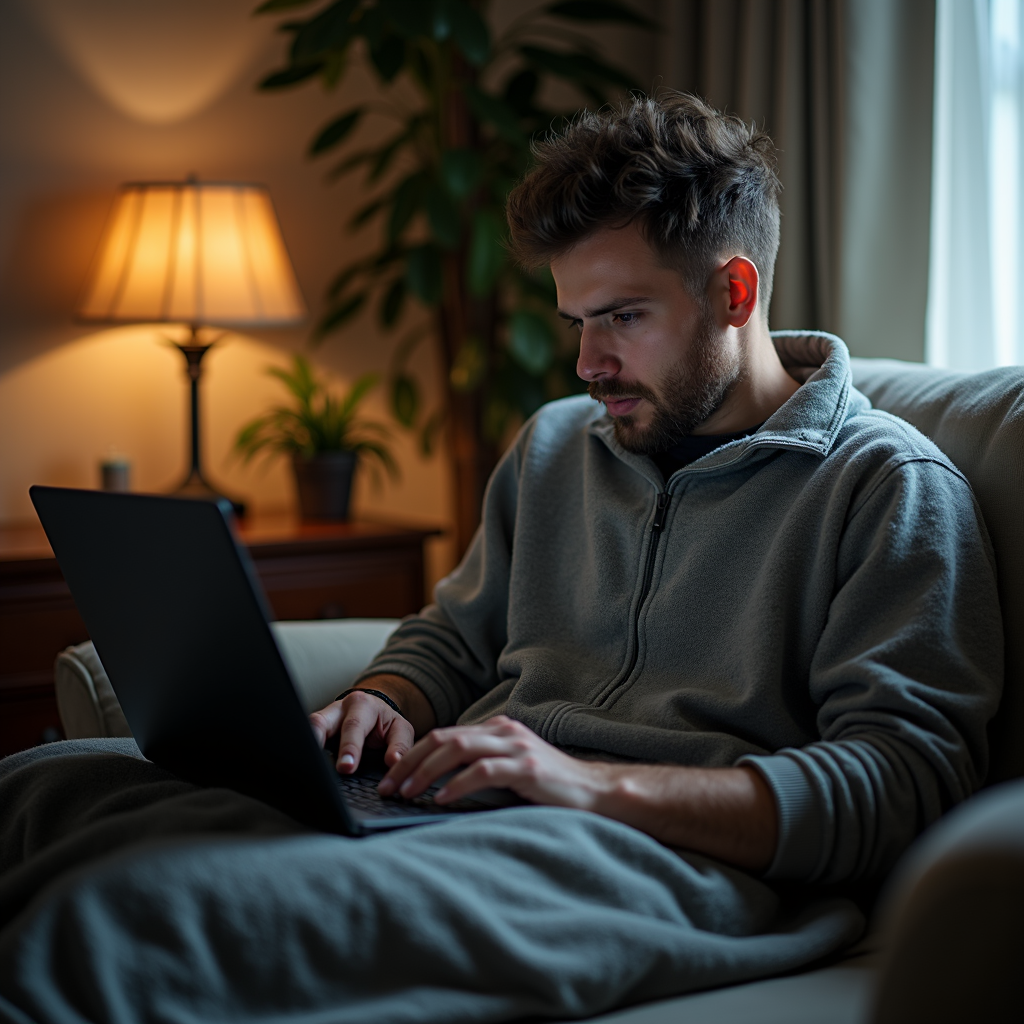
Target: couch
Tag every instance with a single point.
(947, 942)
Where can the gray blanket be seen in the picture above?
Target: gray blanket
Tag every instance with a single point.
(127, 895)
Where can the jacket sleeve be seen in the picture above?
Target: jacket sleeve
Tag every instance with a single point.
(450, 649)
(906, 675)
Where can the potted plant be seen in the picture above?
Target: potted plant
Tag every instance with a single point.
(323, 437)
(452, 129)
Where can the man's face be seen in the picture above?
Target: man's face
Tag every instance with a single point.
(648, 350)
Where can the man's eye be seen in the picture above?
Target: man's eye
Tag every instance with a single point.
(627, 318)
(578, 324)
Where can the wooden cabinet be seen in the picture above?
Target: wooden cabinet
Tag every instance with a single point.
(308, 570)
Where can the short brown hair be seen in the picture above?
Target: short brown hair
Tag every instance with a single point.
(699, 183)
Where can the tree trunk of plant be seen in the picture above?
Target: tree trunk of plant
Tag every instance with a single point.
(461, 317)
(473, 457)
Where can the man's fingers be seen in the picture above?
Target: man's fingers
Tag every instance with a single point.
(360, 719)
(325, 722)
(400, 738)
(488, 772)
(441, 752)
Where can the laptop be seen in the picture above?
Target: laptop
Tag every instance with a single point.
(180, 621)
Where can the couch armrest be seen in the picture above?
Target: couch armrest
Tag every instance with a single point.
(322, 657)
(86, 701)
(955, 927)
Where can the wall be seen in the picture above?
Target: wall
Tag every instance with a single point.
(97, 92)
(126, 94)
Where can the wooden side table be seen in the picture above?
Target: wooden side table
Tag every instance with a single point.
(308, 570)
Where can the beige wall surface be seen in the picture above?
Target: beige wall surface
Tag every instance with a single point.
(94, 93)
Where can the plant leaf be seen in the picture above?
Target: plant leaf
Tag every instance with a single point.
(405, 399)
(332, 29)
(520, 92)
(461, 170)
(406, 200)
(412, 17)
(334, 318)
(576, 67)
(443, 215)
(599, 10)
(372, 23)
(391, 304)
(387, 152)
(429, 432)
(368, 211)
(345, 277)
(350, 163)
(531, 341)
(388, 56)
(337, 130)
(423, 274)
(469, 31)
(497, 112)
(486, 253)
(334, 69)
(291, 75)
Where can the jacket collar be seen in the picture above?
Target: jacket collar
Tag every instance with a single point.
(809, 421)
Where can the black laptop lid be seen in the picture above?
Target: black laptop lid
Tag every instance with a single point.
(179, 620)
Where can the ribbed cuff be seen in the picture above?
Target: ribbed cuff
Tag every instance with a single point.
(798, 853)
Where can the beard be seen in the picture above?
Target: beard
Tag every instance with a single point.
(690, 392)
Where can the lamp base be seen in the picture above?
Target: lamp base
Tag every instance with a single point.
(195, 486)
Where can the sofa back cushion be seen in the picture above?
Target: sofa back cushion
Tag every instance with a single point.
(977, 419)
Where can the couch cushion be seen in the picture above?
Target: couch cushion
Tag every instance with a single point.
(839, 994)
(978, 421)
(322, 657)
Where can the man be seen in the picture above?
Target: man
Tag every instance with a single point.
(747, 616)
(753, 618)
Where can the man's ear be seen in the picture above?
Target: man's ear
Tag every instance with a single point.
(742, 278)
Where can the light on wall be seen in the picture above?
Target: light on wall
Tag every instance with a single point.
(196, 253)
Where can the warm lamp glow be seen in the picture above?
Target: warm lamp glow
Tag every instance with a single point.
(205, 253)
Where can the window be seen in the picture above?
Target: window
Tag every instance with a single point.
(976, 275)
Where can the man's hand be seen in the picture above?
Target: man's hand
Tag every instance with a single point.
(501, 753)
(728, 813)
(365, 720)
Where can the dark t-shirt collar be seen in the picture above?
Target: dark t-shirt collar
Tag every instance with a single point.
(693, 447)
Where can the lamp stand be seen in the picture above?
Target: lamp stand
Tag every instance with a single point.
(195, 484)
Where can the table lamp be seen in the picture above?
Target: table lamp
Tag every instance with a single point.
(203, 254)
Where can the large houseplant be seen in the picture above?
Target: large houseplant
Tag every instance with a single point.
(322, 435)
(464, 108)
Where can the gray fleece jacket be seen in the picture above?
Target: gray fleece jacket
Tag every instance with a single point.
(817, 600)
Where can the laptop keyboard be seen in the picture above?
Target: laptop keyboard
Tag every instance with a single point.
(361, 794)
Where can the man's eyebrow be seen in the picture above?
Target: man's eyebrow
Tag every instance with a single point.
(611, 307)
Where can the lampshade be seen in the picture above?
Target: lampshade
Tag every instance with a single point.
(206, 253)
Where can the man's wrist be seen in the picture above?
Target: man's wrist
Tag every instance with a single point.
(415, 708)
(373, 693)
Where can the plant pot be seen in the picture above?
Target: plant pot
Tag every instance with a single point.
(324, 483)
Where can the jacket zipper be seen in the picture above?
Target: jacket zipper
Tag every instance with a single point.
(660, 511)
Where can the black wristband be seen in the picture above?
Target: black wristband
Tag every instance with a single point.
(373, 693)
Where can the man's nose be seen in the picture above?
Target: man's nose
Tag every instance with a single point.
(597, 359)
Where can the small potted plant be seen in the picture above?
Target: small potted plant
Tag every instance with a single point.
(323, 437)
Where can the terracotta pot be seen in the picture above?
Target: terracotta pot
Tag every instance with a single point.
(324, 483)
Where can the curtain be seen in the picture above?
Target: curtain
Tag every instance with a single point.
(844, 87)
(977, 216)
